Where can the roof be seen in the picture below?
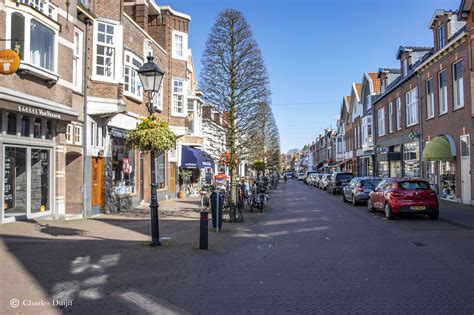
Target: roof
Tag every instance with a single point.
(347, 99)
(168, 8)
(439, 12)
(388, 70)
(403, 49)
(357, 86)
(375, 81)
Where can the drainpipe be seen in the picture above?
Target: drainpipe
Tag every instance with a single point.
(85, 77)
(420, 117)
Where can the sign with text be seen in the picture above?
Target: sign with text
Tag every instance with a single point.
(9, 61)
(38, 112)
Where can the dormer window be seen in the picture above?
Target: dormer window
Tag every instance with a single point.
(404, 67)
(441, 35)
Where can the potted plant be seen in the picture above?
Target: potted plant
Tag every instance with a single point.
(152, 133)
(184, 177)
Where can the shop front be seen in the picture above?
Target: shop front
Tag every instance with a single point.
(439, 155)
(366, 165)
(388, 161)
(29, 161)
(411, 160)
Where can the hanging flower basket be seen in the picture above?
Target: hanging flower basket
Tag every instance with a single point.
(152, 134)
(226, 160)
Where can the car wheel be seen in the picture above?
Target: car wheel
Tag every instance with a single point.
(369, 206)
(354, 200)
(333, 191)
(344, 197)
(433, 215)
(388, 212)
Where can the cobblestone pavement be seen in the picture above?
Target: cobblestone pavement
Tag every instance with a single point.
(308, 253)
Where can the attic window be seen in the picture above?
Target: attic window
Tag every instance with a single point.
(441, 35)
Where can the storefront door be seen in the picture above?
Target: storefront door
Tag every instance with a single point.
(27, 182)
(98, 182)
(465, 170)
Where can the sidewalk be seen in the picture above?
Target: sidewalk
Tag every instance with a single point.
(457, 214)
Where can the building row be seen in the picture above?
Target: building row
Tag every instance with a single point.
(65, 114)
(412, 121)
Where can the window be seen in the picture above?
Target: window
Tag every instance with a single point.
(412, 107)
(43, 6)
(381, 121)
(69, 130)
(178, 97)
(41, 45)
(429, 99)
(160, 171)
(132, 81)
(104, 135)
(25, 126)
(157, 100)
(399, 114)
(93, 134)
(77, 135)
(38, 128)
(441, 35)
(404, 67)
(390, 117)
(458, 85)
(105, 50)
(34, 41)
(443, 92)
(11, 124)
(77, 60)
(178, 45)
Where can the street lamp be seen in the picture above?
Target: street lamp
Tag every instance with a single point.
(152, 76)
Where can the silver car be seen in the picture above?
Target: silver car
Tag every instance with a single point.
(359, 189)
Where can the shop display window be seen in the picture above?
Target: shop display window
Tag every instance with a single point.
(123, 167)
(447, 180)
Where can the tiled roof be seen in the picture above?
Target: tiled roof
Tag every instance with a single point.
(375, 81)
(357, 85)
(348, 99)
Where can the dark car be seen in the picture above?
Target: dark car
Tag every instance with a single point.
(399, 195)
(337, 181)
(359, 189)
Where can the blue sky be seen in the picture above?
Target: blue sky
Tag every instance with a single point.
(315, 49)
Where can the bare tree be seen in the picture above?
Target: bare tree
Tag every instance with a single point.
(235, 80)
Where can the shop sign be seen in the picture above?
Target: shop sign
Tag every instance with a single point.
(9, 61)
(118, 133)
(38, 112)
(126, 166)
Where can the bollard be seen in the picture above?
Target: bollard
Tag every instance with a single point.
(203, 237)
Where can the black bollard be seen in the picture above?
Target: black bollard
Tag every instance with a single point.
(203, 237)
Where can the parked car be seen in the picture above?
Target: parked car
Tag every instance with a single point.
(317, 178)
(312, 179)
(398, 195)
(305, 179)
(337, 181)
(359, 189)
(289, 175)
(323, 182)
(301, 175)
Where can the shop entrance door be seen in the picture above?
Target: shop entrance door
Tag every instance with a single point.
(465, 170)
(98, 182)
(173, 178)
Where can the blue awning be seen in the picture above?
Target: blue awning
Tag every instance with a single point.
(195, 158)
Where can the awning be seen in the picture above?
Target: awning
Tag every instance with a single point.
(194, 158)
(439, 149)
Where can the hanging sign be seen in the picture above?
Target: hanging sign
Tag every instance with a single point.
(9, 61)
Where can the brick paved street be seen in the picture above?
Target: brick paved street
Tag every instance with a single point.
(309, 253)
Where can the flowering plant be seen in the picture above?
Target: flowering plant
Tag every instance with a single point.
(152, 134)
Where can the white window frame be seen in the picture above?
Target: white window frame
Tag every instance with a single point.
(390, 117)
(442, 94)
(398, 102)
(430, 100)
(77, 136)
(381, 122)
(184, 112)
(180, 53)
(411, 107)
(132, 69)
(458, 86)
(26, 62)
(441, 39)
(77, 54)
(70, 134)
(118, 52)
(157, 100)
(93, 134)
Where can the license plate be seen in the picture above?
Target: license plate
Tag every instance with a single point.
(417, 208)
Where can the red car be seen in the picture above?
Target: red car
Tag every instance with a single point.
(399, 195)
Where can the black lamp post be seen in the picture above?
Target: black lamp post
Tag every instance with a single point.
(152, 76)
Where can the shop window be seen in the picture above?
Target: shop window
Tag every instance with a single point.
(38, 128)
(40, 164)
(15, 198)
(123, 167)
(11, 124)
(411, 159)
(160, 171)
(49, 130)
(383, 169)
(447, 176)
(25, 126)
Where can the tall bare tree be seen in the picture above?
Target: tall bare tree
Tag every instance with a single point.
(235, 80)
